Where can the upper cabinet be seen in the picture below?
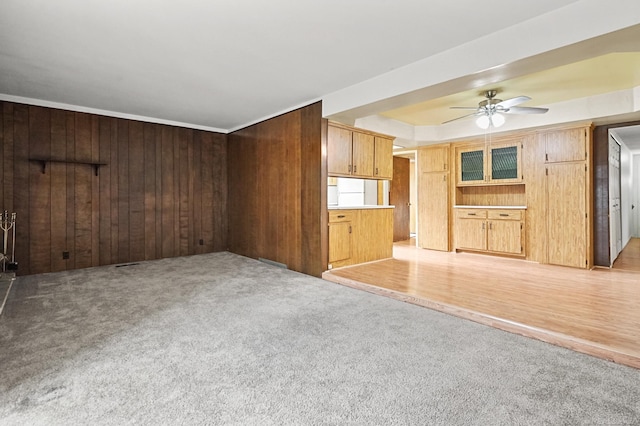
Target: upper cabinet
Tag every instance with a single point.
(566, 145)
(358, 153)
(436, 159)
(383, 167)
(498, 163)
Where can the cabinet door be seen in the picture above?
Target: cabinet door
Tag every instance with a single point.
(566, 145)
(339, 241)
(433, 229)
(471, 166)
(505, 163)
(504, 236)
(471, 234)
(363, 152)
(383, 164)
(338, 151)
(566, 214)
(436, 159)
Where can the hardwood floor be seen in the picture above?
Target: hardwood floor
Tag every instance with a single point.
(629, 258)
(594, 312)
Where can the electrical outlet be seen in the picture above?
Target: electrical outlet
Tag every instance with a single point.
(65, 255)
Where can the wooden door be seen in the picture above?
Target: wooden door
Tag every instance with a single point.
(338, 151)
(433, 214)
(383, 167)
(566, 145)
(471, 234)
(363, 153)
(504, 236)
(566, 214)
(399, 197)
(339, 241)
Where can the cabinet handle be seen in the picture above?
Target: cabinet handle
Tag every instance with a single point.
(445, 166)
(349, 228)
(349, 168)
(340, 216)
(354, 169)
(376, 171)
(504, 215)
(490, 225)
(471, 214)
(483, 226)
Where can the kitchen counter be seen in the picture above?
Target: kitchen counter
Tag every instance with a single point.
(360, 207)
(491, 207)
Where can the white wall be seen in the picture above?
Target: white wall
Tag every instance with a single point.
(636, 196)
(626, 193)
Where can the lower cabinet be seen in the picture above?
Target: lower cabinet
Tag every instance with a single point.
(499, 231)
(340, 232)
(360, 235)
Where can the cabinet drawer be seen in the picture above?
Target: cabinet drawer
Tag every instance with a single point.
(340, 216)
(506, 214)
(471, 213)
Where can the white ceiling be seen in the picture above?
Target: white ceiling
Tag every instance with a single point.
(224, 64)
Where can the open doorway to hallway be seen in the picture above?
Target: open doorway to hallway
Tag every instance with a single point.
(624, 196)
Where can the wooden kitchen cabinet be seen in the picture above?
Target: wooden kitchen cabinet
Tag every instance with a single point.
(435, 159)
(566, 145)
(433, 197)
(339, 142)
(363, 154)
(498, 164)
(358, 153)
(567, 228)
(433, 211)
(499, 231)
(383, 167)
(340, 237)
(359, 235)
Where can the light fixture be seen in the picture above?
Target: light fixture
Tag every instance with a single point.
(490, 119)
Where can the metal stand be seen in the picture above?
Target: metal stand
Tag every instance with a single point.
(8, 226)
(7, 262)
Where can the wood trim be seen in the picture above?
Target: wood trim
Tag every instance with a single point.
(359, 130)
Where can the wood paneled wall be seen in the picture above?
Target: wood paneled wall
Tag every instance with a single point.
(277, 190)
(162, 193)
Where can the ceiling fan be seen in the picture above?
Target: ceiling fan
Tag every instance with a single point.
(489, 111)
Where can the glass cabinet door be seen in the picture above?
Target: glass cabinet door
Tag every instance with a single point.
(505, 163)
(472, 166)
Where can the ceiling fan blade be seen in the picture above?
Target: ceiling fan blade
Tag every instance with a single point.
(463, 107)
(506, 104)
(464, 116)
(526, 110)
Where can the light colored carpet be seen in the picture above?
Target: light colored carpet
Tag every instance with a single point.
(222, 339)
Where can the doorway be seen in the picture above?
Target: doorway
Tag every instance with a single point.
(616, 191)
(399, 196)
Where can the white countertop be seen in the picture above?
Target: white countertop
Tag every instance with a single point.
(360, 207)
(491, 207)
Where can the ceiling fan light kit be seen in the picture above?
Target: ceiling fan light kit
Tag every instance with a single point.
(490, 111)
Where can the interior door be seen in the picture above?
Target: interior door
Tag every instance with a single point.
(399, 197)
(615, 212)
